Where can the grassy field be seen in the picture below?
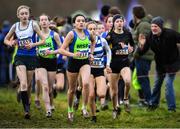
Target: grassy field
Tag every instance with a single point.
(11, 115)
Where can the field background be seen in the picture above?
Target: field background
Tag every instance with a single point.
(11, 115)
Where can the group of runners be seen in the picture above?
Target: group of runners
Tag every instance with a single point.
(95, 56)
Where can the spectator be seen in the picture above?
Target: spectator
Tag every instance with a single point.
(163, 42)
(142, 63)
(104, 12)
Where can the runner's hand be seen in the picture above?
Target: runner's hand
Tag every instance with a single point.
(48, 52)
(29, 45)
(91, 57)
(13, 43)
(77, 54)
(108, 69)
(130, 49)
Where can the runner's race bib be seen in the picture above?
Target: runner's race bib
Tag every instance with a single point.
(42, 51)
(84, 54)
(97, 62)
(123, 51)
(22, 42)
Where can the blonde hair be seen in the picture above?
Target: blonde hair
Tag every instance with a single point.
(91, 22)
(23, 6)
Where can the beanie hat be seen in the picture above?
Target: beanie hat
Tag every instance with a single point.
(158, 21)
(117, 16)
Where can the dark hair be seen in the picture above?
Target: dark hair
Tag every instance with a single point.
(74, 18)
(54, 29)
(69, 19)
(114, 10)
(98, 22)
(139, 11)
(60, 21)
(88, 19)
(105, 10)
(115, 17)
(118, 16)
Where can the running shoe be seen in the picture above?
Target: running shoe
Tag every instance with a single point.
(70, 116)
(27, 115)
(85, 113)
(48, 114)
(94, 119)
(116, 112)
(127, 106)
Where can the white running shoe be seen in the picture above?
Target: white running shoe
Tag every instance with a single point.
(85, 113)
(70, 116)
(48, 114)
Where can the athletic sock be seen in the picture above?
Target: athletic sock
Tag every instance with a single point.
(25, 101)
(78, 94)
(83, 107)
(70, 109)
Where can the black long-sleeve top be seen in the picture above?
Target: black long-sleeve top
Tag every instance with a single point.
(164, 46)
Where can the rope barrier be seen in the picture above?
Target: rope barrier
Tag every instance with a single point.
(153, 75)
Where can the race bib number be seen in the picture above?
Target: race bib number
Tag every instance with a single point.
(24, 41)
(42, 52)
(97, 62)
(84, 54)
(123, 51)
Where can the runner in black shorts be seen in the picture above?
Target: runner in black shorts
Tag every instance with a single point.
(97, 69)
(121, 44)
(46, 70)
(78, 40)
(25, 60)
